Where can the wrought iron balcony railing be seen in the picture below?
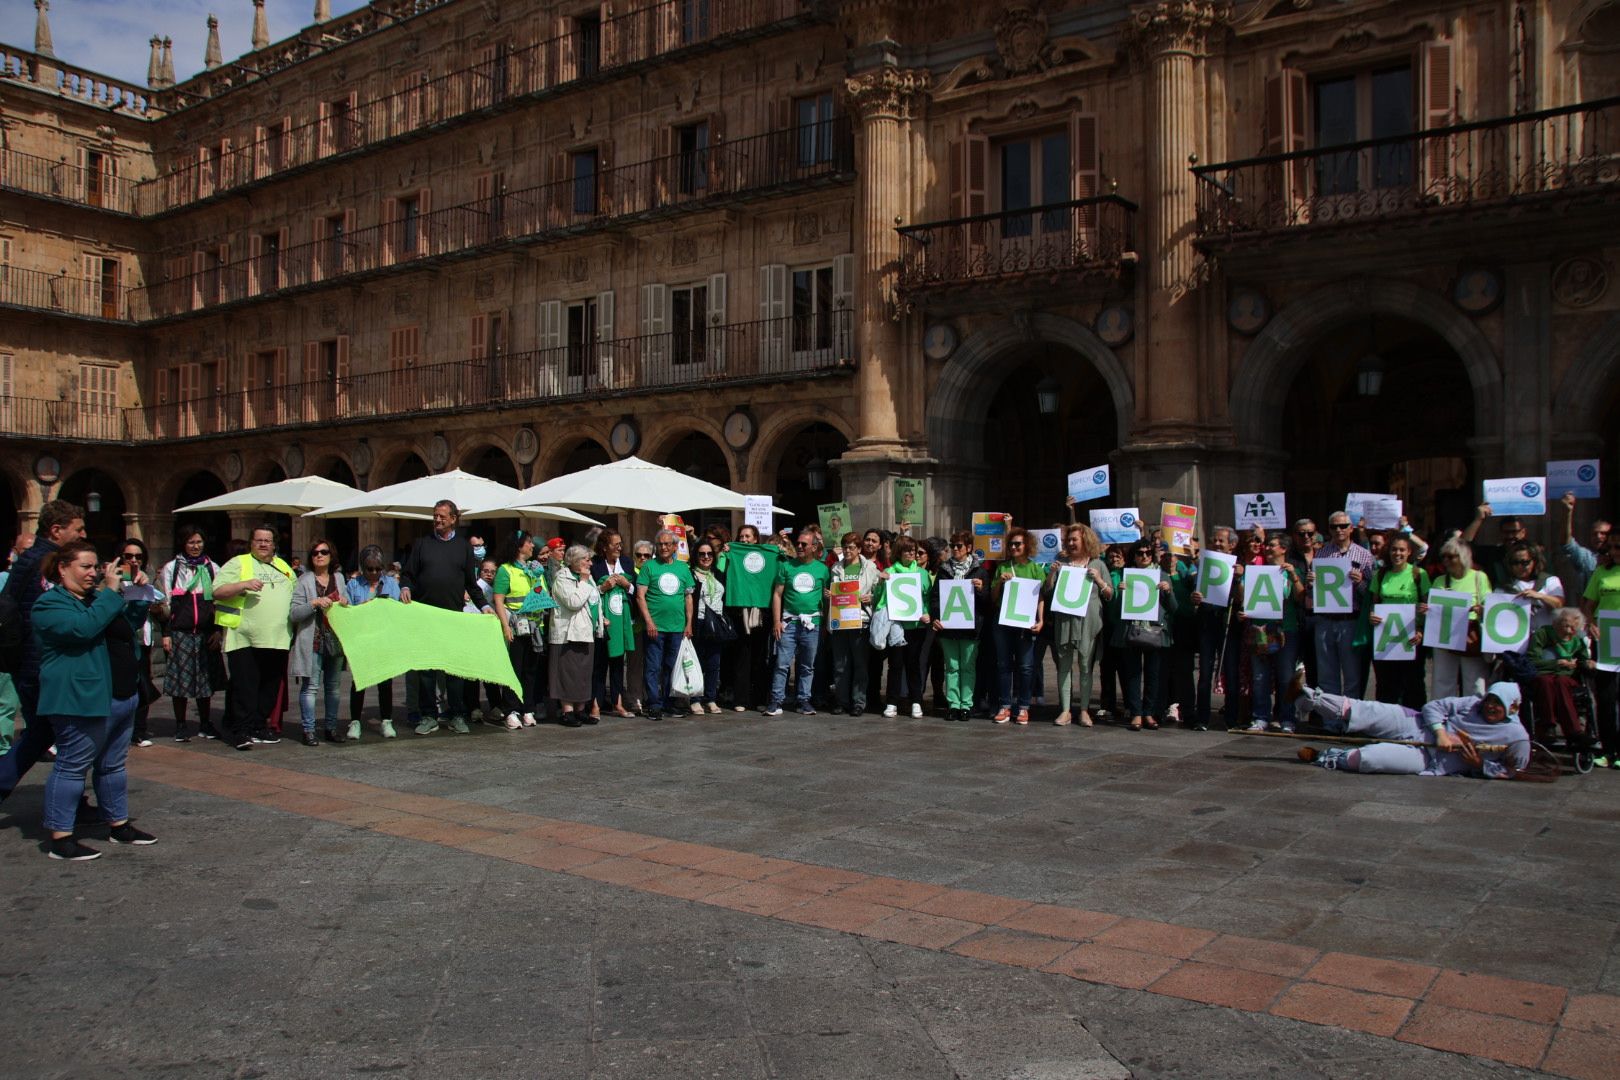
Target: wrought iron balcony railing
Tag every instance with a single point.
(588, 49)
(70, 420)
(66, 183)
(1547, 154)
(795, 347)
(738, 169)
(67, 294)
(1088, 236)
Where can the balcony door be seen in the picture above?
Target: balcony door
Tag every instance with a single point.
(1033, 171)
(1357, 107)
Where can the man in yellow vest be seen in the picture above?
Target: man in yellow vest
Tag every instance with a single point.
(252, 598)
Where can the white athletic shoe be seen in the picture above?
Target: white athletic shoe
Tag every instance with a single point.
(891, 711)
(388, 729)
(916, 711)
(354, 731)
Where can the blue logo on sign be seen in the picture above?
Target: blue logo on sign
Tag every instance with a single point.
(1587, 473)
(1530, 490)
(1127, 520)
(1098, 477)
(1049, 540)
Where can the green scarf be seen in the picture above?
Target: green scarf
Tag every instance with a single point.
(386, 638)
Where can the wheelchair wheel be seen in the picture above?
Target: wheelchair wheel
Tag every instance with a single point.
(1583, 761)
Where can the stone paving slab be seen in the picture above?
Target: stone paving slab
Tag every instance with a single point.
(288, 786)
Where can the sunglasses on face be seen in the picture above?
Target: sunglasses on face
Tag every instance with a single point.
(803, 544)
(705, 554)
(1015, 543)
(321, 551)
(643, 554)
(1341, 525)
(132, 556)
(1519, 562)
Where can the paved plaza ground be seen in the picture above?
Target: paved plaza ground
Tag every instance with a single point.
(815, 897)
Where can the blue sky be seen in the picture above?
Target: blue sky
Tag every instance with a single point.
(110, 36)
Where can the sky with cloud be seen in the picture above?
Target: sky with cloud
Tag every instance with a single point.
(110, 36)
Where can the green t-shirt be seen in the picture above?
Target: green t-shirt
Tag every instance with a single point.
(803, 584)
(1033, 570)
(1603, 588)
(667, 585)
(1409, 586)
(264, 616)
(751, 572)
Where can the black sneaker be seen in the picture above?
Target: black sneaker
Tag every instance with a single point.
(246, 745)
(269, 738)
(180, 735)
(208, 732)
(68, 849)
(127, 833)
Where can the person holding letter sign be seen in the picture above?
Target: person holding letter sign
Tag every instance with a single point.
(1145, 603)
(850, 647)
(1528, 580)
(1338, 579)
(1601, 603)
(1015, 637)
(1458, 670)
(1400, 682)
(1274, 645)
(1216, 614)
(1078, 586)
(957, 628)
(908, 608)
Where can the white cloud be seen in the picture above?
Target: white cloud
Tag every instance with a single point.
(110, 37)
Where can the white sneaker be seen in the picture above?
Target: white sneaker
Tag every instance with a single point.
(528, 719)
(890, 710)
(916, 711)
(388, 729)
(513, 722)
(354, 731)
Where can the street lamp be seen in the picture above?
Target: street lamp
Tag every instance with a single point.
(92, 501)
(815, 473)
(1046, 395)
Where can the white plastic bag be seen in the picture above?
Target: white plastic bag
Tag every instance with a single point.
(687, 680)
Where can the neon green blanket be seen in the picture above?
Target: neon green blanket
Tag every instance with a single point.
(384, 638)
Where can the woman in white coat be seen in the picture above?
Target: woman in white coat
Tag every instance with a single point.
(575, 626)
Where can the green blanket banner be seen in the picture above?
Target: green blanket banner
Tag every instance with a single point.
(383, 639)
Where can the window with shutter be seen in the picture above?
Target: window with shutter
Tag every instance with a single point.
(716, 319)
(655, 324)
(812, 317)
(581, 337)
(1439, 89)
(688, 316)
(773, 316)
(1285, 108)
(1349, 108)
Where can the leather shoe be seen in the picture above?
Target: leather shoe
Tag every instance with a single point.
(309, 739)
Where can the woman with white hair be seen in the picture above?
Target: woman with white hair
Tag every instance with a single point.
(575, 626)
(1465, 672)
(1559, 651)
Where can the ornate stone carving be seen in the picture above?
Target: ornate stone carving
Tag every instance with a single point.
(328, 316)
(890, 92)
(484, 287)
(806, 227)
(1022, 40)
(1175, 25)
(404, 301)
(1579, 282)
(578, 268)
(683, 251)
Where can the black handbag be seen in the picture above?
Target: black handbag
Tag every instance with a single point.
(715, 625)
(1144, 635)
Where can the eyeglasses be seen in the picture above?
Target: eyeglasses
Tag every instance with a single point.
(1340, 524)
(321, 551)
(957, 543)
(133, 556)
(643, 554)
(1015, 543)
(803, 544)
(1520, 562)
(705, 554)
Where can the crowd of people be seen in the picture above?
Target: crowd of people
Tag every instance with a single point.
(694, 624)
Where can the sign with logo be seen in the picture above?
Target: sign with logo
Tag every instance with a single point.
(754, 562)
(990, 535)
(1268, 509)
(1089, 484)
(1584, 478)
(1046, 543)
(1179, 524)
(1117, 526)
(1524, 496)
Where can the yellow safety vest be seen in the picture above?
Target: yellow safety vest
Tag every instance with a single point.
(228, 612)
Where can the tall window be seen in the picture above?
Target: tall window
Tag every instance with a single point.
(270, 261)
(812, 308)
(693, 165)
(94, 178)
(688, 312)
(583, 168)
(694, 15)
(337, 239)
(1035, 171)
(588, 43)
(404, 352)
(275, 147)
(1353, 108)
(410, 226)
(98, 400)
(581, 336)
(813, 117)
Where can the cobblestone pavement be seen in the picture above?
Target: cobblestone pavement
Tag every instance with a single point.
(807, 897)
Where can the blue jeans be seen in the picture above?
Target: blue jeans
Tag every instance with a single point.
(1272, 672)
(1015, 667)
(97, 745)
(328, 677)
(1141, 670)
(708, 652)
(797, 641)
(662, 652)
(427, 695)
(1338, 668)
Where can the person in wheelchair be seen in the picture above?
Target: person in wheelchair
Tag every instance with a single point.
(1559, 652)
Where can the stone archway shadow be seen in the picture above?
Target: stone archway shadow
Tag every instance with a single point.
(1588, 386)
(958, 406)
(1266, 373)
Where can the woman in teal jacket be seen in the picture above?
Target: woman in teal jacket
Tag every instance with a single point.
(92, 727)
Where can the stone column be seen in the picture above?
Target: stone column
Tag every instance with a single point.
(885, 101)
(1170, 39)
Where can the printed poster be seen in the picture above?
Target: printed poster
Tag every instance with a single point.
(757, 512)
(1215, 574)
(1117, 526)
(1378, 511)
(1446, 624)
(1584, 478)
(1178, 523)
(1268, 509)
(990, 535)
(1505, 626)
(1264, 591)
(1046, 543)
(1521, 496)
(957, 610)
(835, 519)
(1392, 637)
(1331, 591)
(1089, 484)
(1020, 603)
(844, 610)
(904, 594)
(1140, 599)
(908, 502)
(1071, 595)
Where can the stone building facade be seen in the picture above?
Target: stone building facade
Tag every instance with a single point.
(803, 248)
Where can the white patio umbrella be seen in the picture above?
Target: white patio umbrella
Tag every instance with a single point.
(476, 496)
(633, 484)
(294, 496)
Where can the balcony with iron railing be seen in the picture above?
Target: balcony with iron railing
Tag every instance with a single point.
(796, 347)
(1085, 238)
(590, 51)
(1549, 156)
(64, 293)
(65, 421)
(62, 182)
(738, 170)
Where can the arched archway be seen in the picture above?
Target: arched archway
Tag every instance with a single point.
(1587, 408)
(215, 524)
(697, 454)
(103, 501)
(799, 471)
(492, 463)
(342, 533)
(409, 467)
(11, 495)
(1266, 375)
(995, 383)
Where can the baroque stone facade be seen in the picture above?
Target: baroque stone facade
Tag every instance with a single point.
(805, 248)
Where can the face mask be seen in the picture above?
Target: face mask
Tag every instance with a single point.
(478, 551)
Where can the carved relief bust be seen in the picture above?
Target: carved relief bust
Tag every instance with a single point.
(1022, 40)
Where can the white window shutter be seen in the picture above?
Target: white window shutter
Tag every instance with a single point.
(773, 288)
(604, 335)
(551, 325)
(654, 324)
(716, 321)
(843, 302)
